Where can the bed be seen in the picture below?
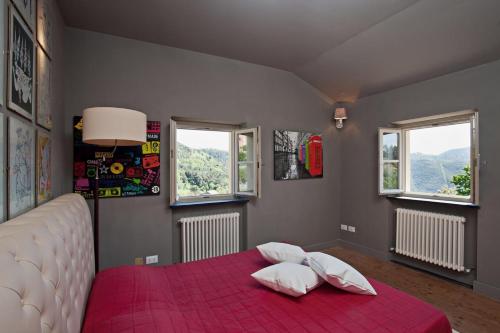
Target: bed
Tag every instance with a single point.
(47, 284)
(218, 295)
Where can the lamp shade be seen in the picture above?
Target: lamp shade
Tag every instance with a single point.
(340, 113)
(106, 126)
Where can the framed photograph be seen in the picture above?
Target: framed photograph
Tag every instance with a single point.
(21, 167)
(21, 92)
(27, 9)
(2, 168)
(297, 155)
(44, 25)
(43, 170)
(43, 94)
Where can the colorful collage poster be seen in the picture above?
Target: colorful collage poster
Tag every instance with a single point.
(127, 172)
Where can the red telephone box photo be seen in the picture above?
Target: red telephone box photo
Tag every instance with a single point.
(315, 155)
(297, 155)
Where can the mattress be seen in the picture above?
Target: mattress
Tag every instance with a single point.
(219, 295)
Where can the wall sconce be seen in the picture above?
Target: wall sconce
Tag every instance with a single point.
(339, 116)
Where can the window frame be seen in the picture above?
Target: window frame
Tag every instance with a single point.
(255, 161)
(404, 127)
(400, 161)
(233, 129)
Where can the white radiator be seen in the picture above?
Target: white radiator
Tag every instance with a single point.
(430, 237)
(210, 236)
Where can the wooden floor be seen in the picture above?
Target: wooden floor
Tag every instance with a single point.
(468, 312)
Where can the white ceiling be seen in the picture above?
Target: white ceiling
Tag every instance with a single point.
(345, 48)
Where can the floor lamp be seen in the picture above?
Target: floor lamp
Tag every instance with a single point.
(110, 127)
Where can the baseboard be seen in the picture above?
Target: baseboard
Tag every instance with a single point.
(321, 246)
(364, 250)
(487, 290)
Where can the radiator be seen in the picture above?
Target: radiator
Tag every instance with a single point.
(210, 236)
(434, 238)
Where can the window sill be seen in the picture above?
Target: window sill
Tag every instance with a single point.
(232, 200)
(439, 201)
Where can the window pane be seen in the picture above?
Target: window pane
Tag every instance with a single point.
(246, 177)
(391, 176)
(245, 147)
(440, 160)
(391, 146)
(203, 162)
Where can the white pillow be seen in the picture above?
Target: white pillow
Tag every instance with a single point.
(288, 278)
(339, 274)
(281, 252)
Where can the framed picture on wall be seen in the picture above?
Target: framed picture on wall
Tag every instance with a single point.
(44, 25)
(28, 11)
(43, 94)
(43, 171)
(21, 167)
(297, 155)
(2, 167)
(127, 172)
(21, 67)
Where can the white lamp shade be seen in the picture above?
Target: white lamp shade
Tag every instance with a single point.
(340, 113)
(105, 126)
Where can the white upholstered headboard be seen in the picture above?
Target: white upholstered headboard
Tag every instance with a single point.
(46, 267)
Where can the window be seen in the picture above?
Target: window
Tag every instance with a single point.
(246, 166)
(210, 161)
(203, 162)
(433, 157)
(390, 160)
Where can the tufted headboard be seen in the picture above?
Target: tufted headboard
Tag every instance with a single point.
(46, 267)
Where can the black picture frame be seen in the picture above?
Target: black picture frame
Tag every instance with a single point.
(21, 67)
(297, 155)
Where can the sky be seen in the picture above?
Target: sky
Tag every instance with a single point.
(432, 140)
(204, 139)
(436, 140)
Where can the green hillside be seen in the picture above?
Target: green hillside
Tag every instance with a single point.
(202, 171)
(432, 173)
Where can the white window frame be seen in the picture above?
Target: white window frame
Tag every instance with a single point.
(256, 161)
(381, 163)
(404, 127)
(233, 150)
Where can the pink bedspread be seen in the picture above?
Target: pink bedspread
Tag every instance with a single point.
(219, 295)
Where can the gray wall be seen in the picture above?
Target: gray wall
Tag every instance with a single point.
(57, 84)
(102, 70)
(373, 215)
(163, 82)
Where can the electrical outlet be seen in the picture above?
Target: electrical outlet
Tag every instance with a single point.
(351, 228)
(343, 227)
(139, 261)
(152, 259)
